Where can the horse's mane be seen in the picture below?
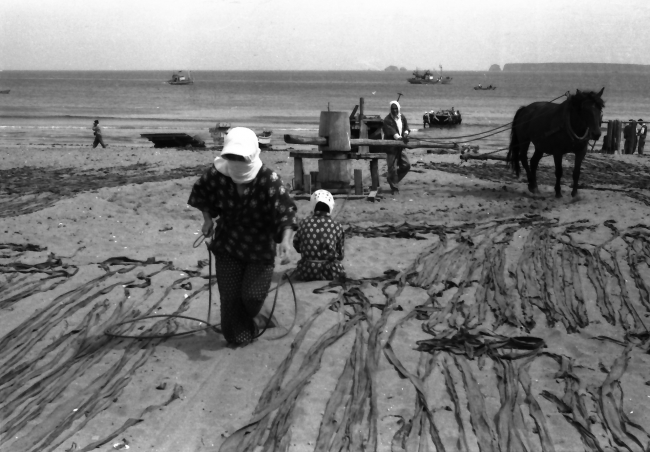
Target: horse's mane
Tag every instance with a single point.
(581, 96)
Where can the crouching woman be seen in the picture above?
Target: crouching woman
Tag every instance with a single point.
(254, 212)
(320, 241)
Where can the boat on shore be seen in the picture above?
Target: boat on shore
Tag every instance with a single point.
(450, 117)
(181, 78)
(425, 78)
(484, 88)
(264, 139)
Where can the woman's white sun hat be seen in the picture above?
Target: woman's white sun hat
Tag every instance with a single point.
(242, 142)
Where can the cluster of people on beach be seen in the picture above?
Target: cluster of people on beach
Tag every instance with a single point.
(634, 137)
(256, 221)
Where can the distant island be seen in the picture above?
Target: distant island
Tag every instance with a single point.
(495, 68)
(395, 69)
(576, 67)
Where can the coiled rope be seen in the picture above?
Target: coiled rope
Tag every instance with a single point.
(286, 276)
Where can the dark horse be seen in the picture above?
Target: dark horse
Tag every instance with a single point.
(555, 129)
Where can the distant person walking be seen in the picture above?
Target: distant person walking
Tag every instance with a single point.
(641, 134)
(97, 131)
(396, 128)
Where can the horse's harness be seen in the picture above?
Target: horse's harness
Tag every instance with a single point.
(566, 125)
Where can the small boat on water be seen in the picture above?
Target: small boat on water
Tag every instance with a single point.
(425, 78)
(5, 91)
(484, 88)
(442, 118)
(444, 80)
(181, 78)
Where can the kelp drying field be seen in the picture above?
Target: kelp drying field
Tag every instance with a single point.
(514, 334)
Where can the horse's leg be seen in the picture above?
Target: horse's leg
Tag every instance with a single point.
(580, 155)
(534, 162)
(558, 174)
(523, 158)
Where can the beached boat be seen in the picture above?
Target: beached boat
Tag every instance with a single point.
(181, 78)
(426, 78)
(442, 118)
(484, 88)
(5, 91)
(265, 139)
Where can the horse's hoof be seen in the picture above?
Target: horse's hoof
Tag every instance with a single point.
(574, 193)
(558, 195)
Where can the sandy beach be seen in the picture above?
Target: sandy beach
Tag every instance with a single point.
(479, 262)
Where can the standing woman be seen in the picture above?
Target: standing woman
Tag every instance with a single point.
(254, 212)
(396, 128)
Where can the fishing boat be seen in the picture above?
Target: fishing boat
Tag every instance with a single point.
(425, 78)
(442, 118)
(484, 88)
(444, 80)
(181, 78)
(5, 91)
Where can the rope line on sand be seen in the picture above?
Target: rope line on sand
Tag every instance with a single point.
(437, 140)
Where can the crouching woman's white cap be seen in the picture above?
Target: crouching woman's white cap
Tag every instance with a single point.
(322, 196)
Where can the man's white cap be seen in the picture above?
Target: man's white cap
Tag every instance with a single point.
(322, 196)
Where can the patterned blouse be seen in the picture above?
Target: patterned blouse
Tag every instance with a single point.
(248, 226)
(320, 241)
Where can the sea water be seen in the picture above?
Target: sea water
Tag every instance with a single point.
(58, 107)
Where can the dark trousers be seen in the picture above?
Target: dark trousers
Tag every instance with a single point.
(243, 287)
(398, 167)
(98, 140)
(641, 145)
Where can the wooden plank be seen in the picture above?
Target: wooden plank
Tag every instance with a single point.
(297, 173)
(307, 183)
(363, 127)
(351, 155)
(373, 196)
(374, 174)
(358, 182)
(354, 112)
(314, 180)
(412, 144)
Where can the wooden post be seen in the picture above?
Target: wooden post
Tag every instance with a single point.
(314, 180)
(633, 138)
(363, 127)
(307, 182)
(608, 139)
(374, 174)
(334, 169)
(358, 182)
(297, 173)
(617, 136)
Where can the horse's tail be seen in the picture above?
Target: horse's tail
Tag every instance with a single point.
(513, 157)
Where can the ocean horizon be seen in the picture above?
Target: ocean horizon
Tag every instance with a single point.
(58, 107)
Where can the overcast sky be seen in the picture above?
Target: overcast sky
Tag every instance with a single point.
(318, 35)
